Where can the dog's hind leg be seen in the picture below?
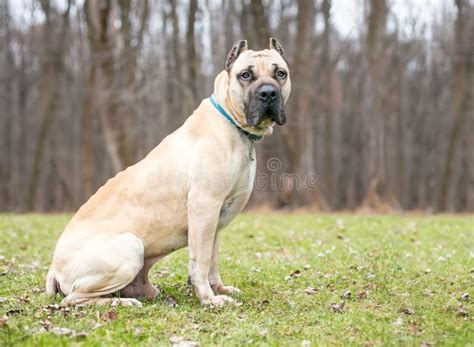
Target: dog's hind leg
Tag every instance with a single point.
(77, 299)
(140, 287)
(99, 267)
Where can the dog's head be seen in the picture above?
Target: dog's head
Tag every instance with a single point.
(256, 85)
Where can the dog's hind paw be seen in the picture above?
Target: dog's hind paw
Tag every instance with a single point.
(126, 302)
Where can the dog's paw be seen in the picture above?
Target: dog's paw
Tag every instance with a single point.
(229, 290)
(126, 302)
(218, 301)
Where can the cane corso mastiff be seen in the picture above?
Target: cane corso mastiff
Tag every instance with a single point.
(182, 193)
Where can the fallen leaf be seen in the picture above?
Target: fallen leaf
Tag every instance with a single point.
(7, 268)
(24, 299)
(408, 311)
(110, 315)
(428, 293)
(138, 331)
(414, 329)
(310, 291)
(34, 266)
(46, 324)
(362, 294)
(53, 307)
(307, 267)
(398, 322)
(464, 297)
(3, 321)
(62, 331)
(294, 274)
(462, 312)
(13, 312)
(81, 335)
(162, 273)
(3, 300)
(337, 308)
(170, 301)
(347, 294)
(178, 341)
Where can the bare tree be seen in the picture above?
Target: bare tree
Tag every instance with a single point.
(460, 87)
(328, 86)
(376, 117)
(109, 82)
(7, 96)
(193, 63)
(301, 148)
(52, 65)
(261, 24)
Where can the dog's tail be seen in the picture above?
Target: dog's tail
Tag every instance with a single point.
(52, 285)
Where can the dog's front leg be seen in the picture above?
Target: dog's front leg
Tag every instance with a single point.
(214, 273)
(203, 216)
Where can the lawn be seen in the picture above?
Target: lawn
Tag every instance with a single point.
(306, 280)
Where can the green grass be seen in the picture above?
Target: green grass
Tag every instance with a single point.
(406, 276)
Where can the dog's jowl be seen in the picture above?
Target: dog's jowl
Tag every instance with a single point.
(183, 193)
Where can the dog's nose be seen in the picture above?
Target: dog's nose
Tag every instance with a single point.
(267, 93)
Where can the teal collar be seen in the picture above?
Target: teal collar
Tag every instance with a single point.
(251, 137)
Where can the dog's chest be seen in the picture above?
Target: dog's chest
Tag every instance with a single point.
(243, 172)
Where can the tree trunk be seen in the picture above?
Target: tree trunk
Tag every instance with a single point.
(193, 64)
(300, 148)
(7, 116)
(470, 116)
(377, 194)
(102, 43)
(87, 137)
(328, 84)
(51, 67)
(460, 101)
(260, 24)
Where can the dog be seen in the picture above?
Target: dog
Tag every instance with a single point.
(183, 193)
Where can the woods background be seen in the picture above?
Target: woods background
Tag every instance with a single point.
(383, 115)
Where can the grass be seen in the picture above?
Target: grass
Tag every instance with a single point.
(370, 280)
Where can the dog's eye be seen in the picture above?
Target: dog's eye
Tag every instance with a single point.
(280, 74)
(245, 75)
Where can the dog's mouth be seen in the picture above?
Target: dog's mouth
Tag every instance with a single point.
(262, 114)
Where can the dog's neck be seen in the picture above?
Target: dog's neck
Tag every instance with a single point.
(221, 93)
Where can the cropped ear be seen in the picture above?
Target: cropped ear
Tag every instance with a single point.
(274, 44)
(235, 51)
